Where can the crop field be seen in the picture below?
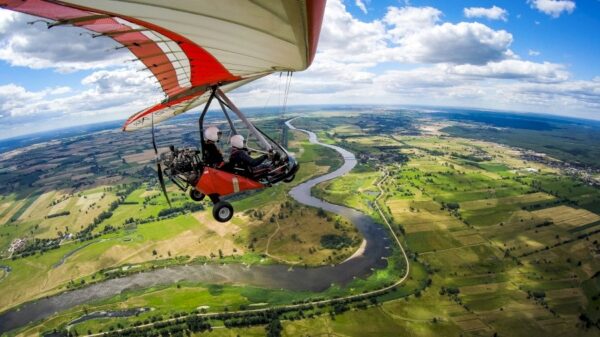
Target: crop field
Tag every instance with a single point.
(568, 217)
(512, 239)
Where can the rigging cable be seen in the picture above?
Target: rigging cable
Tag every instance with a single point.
(283, 133)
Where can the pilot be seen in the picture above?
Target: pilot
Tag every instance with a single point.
(212, 156)
(240, 158)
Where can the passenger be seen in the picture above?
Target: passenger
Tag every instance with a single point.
(212, 156)
(240, 158)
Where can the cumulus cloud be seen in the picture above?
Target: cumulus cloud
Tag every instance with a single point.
(514, 69)
(65, 49)
(409, 35)
(119, 92)
(422, 38)
(447, 75)
(344, 37)
(469, 64)
(563, 98)
(554, 8)
(411, 55)
(6, 19)
(13, 96)
(493, 13)
(461, 43)
(532, 52)
(445, 85)
(407, 21)
(416, 79)
(434, 83)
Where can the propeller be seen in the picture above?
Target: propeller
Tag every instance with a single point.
(161, 179)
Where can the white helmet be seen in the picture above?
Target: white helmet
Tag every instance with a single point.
(211, 133)
(237, 141)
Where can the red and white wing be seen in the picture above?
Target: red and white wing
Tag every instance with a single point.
(191, 45)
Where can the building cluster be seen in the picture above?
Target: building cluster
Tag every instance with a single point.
(588, 175)
(17, 245)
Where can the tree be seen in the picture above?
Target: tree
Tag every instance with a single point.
(274, 328)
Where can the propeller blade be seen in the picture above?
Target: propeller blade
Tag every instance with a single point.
(161, 180)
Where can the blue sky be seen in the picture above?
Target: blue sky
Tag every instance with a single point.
(517, 55)
(569, 39)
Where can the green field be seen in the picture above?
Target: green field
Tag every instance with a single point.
(493, 231)
(498, 244)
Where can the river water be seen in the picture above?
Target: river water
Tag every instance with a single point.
(269, 276)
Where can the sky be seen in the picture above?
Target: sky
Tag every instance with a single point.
(512, 55)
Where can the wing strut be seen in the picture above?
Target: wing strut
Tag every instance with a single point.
(201, 121)
(229, 121)
(221, 96)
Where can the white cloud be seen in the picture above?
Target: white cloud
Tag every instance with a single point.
(460, 43)
(59, 90)
(345, 38)
(422, 78)
(420, 37)
(409, 56)
(65, 49)
(118, 93)
(13, 97)
(407, 21)
(553, 8)
(516, 70)
(493, 13)
(361, 5)
(564, 98)
(532, 52)
(443, 85)
(6, 19)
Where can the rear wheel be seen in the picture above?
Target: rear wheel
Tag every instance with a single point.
(289, 179)
(222, 211)
(196, 196)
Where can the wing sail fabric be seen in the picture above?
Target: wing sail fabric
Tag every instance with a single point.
(191, 45)
(165, 110)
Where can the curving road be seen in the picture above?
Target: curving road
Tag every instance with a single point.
(271, 276)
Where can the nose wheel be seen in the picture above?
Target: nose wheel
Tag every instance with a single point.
(222, 211)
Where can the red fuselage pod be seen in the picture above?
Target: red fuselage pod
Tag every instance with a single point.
(223, 183)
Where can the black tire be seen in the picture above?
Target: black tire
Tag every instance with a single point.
(195, 195)
(289, 179)
(222, 211)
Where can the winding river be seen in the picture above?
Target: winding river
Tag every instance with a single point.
(269, 276)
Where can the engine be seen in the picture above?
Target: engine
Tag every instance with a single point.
(182, 166)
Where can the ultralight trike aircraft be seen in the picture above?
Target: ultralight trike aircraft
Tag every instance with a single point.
(186, 167)
(197, 51)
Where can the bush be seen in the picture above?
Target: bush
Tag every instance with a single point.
(333, 241)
